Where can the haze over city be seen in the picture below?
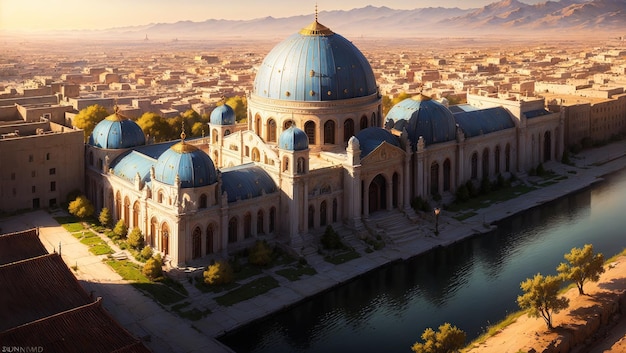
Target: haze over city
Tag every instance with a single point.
(77, 14)
(308, 177)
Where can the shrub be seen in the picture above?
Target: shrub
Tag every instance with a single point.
(565, 159)
(331, 240)
(471, 188)
(81, 207)
(260, 253)
(485, 186)
(218, 273)
(419, 204)
(105, 217)
(541, 171)
(462, 194)
(135, 238)
(120, 229)
(146, 252)
(153, 268)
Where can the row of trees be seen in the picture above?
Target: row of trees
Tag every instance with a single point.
(161, 129)
(540, 298)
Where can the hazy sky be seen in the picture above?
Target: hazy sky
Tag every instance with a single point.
(98, 14)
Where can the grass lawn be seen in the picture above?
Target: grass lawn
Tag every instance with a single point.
(249, 290)
(342, 257)
(208, 288)
(486, 200)
(161, 292)
(294, 273)
(193, 314)
(70, 223)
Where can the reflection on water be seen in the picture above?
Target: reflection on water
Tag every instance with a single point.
(470, 284)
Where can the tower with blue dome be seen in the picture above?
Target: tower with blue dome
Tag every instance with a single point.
(222, 123)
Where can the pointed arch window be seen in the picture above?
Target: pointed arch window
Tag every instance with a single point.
(271, 130)
(348, 129)
(329, 132)
(209, 238)
(309, 129)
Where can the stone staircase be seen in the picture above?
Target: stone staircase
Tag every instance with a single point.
(393, 226)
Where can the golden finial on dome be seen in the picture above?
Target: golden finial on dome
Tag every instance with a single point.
(316, 28)
(116, 116)
(421, 97)
(182, 146)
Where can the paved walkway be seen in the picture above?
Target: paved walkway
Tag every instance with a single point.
(170, 333)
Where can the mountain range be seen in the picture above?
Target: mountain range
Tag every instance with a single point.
(502, 18)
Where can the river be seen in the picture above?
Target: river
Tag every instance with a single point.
(470, 284)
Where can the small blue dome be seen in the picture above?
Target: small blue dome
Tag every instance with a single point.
(194, 167)
(115, 132)
(372, 137)
(315, 65)
(422, 116)
(293, 139)
(223, 115)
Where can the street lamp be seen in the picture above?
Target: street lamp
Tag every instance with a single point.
(437, 211)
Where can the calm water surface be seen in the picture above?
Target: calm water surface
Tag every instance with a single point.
(470, 284)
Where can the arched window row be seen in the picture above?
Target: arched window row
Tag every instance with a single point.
(324, 212)
(329, 128)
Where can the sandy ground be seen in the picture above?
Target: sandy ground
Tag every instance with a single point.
(531, 333)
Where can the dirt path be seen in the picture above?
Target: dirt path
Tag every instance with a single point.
(529, 333)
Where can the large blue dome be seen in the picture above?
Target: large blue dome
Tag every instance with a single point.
(194, 167)
(315, 64)
(223, 115)
(115, 132)
(293, 139)
(422, 116)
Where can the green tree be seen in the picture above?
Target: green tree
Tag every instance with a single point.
(582, 266)
(388, 103)
(89, 117)
(449, 339)
(81, 207)
(260, 253)
(121, 230)
(240, 106)
(153, 268)
(105, 217)
(219, 273)
(146, 252)
(155, 127)
(541, 297)
(135, 238)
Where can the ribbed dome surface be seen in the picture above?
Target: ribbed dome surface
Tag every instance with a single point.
(194, 167)
(293, 139)
(223, 115)
(115, 132)
(422, 116)
(315, 64)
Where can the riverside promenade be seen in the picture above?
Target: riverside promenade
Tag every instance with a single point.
(164, 331)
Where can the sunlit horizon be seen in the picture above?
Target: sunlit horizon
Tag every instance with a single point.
(50, 15)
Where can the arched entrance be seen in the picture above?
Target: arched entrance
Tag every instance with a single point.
(547, 146)
(377, 193)
(165, 239)
(196, 243)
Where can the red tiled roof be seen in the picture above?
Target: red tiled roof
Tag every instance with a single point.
(87, 328)
(36, 288)
(20, 246)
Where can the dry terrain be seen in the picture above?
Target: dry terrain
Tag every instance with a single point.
(575, 327)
